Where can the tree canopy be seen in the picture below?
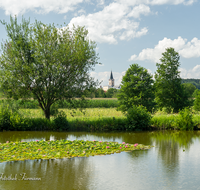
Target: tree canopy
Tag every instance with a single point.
(46, 62)
(111, 93)
(189, 89)
(136, 89)
(169, 92)
(197, 100)
(195, 82)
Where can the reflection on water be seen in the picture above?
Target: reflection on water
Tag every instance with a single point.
(172, 164)
(61, 173)
(183, 139)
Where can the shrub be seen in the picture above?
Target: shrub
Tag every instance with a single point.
(60, 121)
(5, 114)
(184, 119)
(138, 118)
(164, 121)
(10, 118)
(97, 124)
(197, 100)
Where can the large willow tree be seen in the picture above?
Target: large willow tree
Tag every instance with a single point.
(47, 62)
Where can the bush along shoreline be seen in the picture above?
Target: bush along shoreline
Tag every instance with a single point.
(95, 124)
(184, 120)
(136, 118)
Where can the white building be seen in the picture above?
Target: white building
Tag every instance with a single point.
(111, 83)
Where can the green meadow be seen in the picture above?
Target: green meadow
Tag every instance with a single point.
(76, 113)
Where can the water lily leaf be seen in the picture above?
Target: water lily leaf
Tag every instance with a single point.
(62, 149)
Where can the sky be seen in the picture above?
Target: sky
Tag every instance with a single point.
(125, 31)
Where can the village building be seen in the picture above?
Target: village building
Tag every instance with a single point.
(111, 83)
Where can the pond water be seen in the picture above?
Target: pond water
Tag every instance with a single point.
(173, 163)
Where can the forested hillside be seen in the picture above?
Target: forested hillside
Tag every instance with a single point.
(195, 82)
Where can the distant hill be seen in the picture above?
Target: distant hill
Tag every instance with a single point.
(195, 82)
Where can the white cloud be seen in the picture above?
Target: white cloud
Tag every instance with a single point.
(189, 2)
(100, 2)
(191, 73)
(80, 12)
(156, 2)
(14, 7)
(118, 20)
(192, 49)
(112, 23)
(138, 10)
(104, 77)
(127, 35)
(184, 48)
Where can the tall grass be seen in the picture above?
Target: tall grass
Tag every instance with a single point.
(88, 103)
(75, 113)
(184, 120)
(165, 121)
(90, 119)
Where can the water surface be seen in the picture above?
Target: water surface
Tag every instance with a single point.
(174, 163)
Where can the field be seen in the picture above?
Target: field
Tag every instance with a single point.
(77, 103)
(85, 113)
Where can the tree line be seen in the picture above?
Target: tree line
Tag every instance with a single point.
(166, 91)
(100, 93)
(195, 82)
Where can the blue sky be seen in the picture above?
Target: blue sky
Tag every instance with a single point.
(126, 31)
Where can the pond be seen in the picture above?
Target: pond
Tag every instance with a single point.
(173, 163)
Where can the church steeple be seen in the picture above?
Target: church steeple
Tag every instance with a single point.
(111, 75)
(111, 80)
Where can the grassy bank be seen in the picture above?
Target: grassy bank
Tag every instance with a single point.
(170, 121)
(91, 119)
(72, 113)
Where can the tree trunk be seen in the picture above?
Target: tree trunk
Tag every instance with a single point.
(47, 112)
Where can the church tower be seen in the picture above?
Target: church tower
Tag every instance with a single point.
(111, 80)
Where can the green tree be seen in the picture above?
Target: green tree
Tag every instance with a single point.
(189, 89)
(136, 89)
(111, 93)
(195, 82)
(169, 92)
(90, 93)
(48, 62)
(95, 93)
(197, 100)
(194, 95)
(99, 93)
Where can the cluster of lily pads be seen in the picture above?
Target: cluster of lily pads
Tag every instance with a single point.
(15, 151)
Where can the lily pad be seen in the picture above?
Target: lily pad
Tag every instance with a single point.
(16, 151)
